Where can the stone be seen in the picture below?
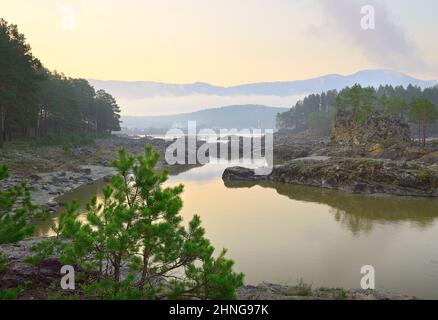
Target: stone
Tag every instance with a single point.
(35, 177)
(86, 171)
(240, 173)
(52, 204)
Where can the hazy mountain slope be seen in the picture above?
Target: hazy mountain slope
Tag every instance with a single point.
(246, 116)
(143, 89)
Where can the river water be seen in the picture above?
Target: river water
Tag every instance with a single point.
(280, 233)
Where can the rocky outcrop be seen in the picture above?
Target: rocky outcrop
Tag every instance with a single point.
(377, 128)
(292, 146)
(356, 175)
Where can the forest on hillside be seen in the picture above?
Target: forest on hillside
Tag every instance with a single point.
(412, 104)
(37, 103)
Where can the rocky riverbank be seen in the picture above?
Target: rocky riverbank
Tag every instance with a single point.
(45, 282)
(46, 187)
(356, 175)
(270, 291)
(289, 146)
(53, 171)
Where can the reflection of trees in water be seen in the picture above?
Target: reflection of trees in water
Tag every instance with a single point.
(357, 212)
(354, 223)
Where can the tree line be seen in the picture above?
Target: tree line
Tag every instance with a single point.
(412, 104)
(314, 111)
(35, 102)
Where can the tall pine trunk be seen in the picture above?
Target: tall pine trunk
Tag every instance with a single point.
(424, 135)
(2, 126)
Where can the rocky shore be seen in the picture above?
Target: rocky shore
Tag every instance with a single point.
(46, 187)
(45, 282)
(356, 175)
(270, 291)
(51, 172)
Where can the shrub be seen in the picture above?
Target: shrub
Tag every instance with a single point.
(10, 294)
(16, 211)
(303, 289)
(134, 243)
(3, 262)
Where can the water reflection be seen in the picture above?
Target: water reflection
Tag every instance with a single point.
(84, 193)
(278, 232)
(357, 212)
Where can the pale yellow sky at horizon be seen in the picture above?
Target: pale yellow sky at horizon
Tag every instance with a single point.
(223, 42)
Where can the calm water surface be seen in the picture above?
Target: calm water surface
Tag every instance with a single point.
(279, 233)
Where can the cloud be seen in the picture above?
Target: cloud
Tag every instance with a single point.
(387, 45)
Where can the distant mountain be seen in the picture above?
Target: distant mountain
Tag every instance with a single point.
(143, 98)
(144, 89)
(244, 116)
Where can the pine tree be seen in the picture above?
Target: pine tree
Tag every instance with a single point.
(16, 211)
(18, 77)
(423, 112)
(35, 102)
(134, 242)
(360, 101)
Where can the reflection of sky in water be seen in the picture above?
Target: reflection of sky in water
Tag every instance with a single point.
(208, 172)
(279, 233)
(201, 174)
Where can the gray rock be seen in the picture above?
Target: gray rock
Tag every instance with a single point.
(52, 204)
(34, 177)
(86, 171)
(240, 173)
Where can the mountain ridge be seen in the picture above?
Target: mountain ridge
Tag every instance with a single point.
(236, 116)
(371, 77)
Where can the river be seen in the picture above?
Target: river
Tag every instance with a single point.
(280, 233)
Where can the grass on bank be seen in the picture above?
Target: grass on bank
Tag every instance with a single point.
(65, 141)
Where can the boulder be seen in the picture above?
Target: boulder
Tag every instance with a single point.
(52, 204)
(86, 171)
(243, 174)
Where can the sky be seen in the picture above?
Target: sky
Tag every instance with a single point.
(226, 42)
